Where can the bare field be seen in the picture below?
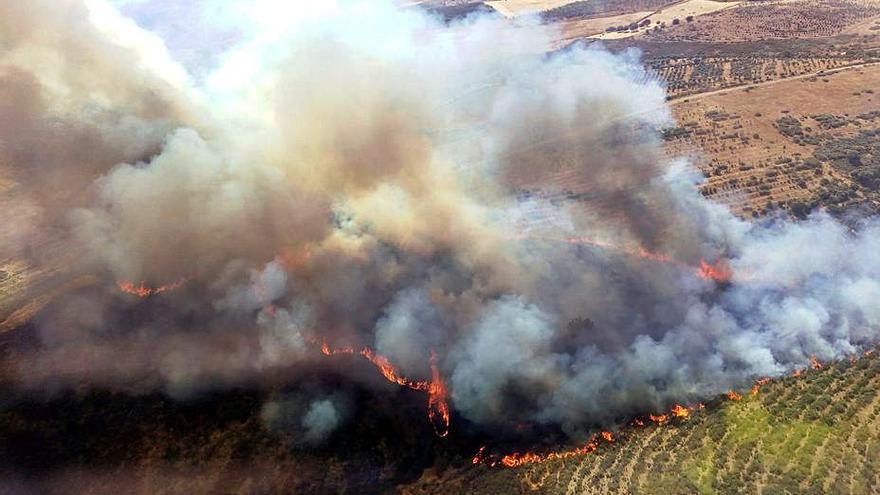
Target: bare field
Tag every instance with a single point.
(676, 13)
(513, 8)
(751, 164)
(583, 28)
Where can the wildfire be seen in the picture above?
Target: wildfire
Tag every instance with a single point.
(659, 419)
(438, 404)
(719, 272)
(680, 412)
(142, 290)
(517, 459)
(757, 386)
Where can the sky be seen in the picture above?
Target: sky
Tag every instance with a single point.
(196, 32)
(199, 33)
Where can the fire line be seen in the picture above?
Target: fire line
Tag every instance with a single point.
(438, 404)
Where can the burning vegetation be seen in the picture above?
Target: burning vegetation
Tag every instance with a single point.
(435, 388)
(142, 290)
(675, 416)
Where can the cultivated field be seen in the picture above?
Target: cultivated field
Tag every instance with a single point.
(816, 433)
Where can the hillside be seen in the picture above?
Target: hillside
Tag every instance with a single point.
(816, 433)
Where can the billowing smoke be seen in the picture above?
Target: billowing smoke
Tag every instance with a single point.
(369, 176)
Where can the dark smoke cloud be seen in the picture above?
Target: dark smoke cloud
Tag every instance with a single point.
(376, 178)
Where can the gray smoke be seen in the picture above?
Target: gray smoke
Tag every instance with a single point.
(307, 421)
(320, 421)
(373, 177)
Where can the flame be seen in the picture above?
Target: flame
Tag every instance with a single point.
(517, 459)
(758, 383)
(438, 402)
(142, 290)
(734, 396)
(815, 364)
(719, 272)
(797, 373)
(659, 418)
(680, 412)
(478, 457)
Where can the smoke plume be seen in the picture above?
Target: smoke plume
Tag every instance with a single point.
(370, 176)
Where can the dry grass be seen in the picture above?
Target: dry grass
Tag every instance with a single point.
(514, 8)
(739, 148)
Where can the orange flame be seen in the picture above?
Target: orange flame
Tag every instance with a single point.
(734, 396)
(719, 272)
(438, 404)
(478, 457)
(142, 290)
(607, 436)
(815, 364)
(680, 412)
(659, 418)
(757, 386)
(517, 459)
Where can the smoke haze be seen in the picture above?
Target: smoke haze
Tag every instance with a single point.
(367, 176)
